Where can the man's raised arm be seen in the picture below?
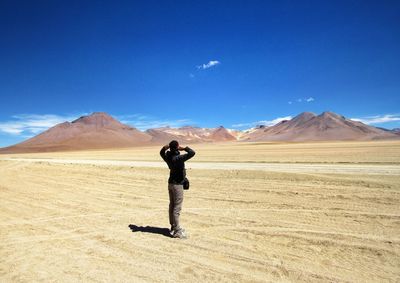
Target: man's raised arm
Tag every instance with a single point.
(162, 152)
(190, 153)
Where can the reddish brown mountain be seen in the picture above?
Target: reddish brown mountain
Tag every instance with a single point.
(310, 127)
(222, 134)
(98, 130)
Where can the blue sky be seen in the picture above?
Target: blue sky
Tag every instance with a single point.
(205, 63)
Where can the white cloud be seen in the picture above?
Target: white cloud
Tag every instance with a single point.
(300, 100)
(32, 124)
(210, 64)
(191, 75)
(378, 119)
(143, 122)
(10, 128)
(263, 122)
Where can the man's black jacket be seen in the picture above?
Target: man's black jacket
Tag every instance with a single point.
(176, 163)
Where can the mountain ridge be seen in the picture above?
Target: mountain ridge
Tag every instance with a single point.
(100, 130)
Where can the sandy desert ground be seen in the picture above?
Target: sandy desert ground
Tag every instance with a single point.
(275, 213)
(313, 152)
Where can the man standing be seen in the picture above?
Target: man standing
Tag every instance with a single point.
(177, 174)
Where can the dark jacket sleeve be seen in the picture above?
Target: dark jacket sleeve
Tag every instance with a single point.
(162, 153)
(190, 153)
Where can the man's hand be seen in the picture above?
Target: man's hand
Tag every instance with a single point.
(166, 146)
(181, 148)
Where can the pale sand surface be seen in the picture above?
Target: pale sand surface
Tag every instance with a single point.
(382, 169)
(313, 152)
(69, 222)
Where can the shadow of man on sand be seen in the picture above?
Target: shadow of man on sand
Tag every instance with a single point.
(150, 229)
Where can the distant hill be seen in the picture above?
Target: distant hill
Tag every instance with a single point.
(99, 130)
(308, 126)
(396, 131)
(222, 134)
(189, 134)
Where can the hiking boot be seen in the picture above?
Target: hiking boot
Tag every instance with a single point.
(180, 234)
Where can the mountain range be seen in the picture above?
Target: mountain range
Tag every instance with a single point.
(308, 126)
(100, 130)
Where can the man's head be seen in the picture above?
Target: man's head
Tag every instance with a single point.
(173, 145)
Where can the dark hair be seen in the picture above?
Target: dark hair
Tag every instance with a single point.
(173, 145)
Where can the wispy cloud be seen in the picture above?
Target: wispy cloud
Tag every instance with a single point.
(144, 122)
(263, 122)
(378, 119)
(210, 64)
(27, 125)
(300, 100)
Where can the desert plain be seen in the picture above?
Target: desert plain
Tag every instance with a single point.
(255, 212)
